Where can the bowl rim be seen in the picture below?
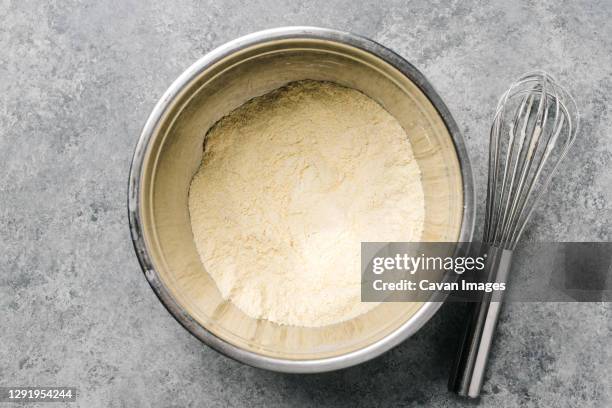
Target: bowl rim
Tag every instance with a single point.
(407, 329)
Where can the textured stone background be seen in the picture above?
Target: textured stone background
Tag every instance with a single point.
(78, 79)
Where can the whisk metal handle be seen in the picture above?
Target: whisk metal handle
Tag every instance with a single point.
(469, 368)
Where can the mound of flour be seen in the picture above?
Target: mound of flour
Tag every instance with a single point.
(289, 186)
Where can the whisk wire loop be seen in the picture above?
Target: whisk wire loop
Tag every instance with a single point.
(535, 124)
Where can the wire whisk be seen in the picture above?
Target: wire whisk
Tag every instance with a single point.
(535, 124)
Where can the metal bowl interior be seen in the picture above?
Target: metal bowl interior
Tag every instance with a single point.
(170, 151)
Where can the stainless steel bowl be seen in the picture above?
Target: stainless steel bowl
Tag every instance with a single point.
(170, 149)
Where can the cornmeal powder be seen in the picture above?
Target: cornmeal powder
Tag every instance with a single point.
(290, 184)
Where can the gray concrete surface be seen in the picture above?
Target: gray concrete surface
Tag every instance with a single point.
(78, 79)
